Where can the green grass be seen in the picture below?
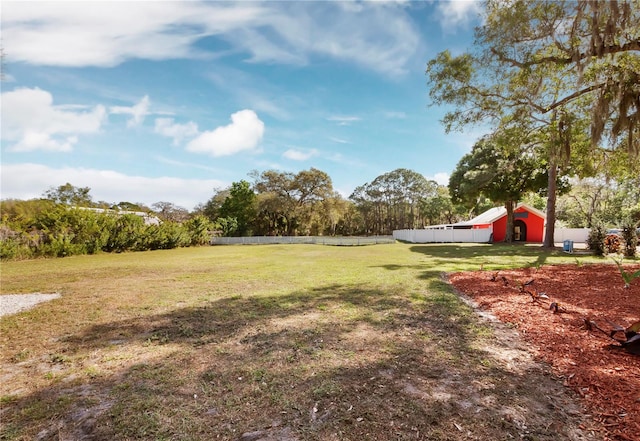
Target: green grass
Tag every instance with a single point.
(213, 342)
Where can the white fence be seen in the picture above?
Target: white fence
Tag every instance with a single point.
(316, 240)
(428, 235)
(578, 235)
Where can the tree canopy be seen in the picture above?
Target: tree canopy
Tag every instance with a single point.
(70, 195)
(287, 202)
(392, 200)
(498, 173)
(240, 205)
(544, 66)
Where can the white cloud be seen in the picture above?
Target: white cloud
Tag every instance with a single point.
(243, 134)
(395, 115)
(32, 122)
(299, 155)
(339, 140)
(106, 34)
(441, 178)
(27, 181)
(341, 159)
(344, 120)
(379, 36)
(138, 111)
(167, 127)
(189, 165)
(263, 105)
(456, 13)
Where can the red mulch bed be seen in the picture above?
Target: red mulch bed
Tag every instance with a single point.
(607, 377)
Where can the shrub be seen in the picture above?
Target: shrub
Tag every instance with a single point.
(174, 235)
(9, 243)
(61, 245)
(10, 248)
(630, 238)
(126, 234)
(595, 242)
(199, 228)
(56, 230)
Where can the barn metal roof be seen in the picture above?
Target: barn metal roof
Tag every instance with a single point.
(495, 213)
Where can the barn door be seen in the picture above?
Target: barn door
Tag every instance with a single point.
(519, 231)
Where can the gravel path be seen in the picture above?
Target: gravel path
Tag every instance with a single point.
(12, 303)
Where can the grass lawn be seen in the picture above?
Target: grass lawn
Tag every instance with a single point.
(292, 342)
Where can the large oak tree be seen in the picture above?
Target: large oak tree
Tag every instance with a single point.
(498, 173)
(540, 64)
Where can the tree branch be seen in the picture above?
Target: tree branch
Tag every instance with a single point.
(611, 49)
(571, 97)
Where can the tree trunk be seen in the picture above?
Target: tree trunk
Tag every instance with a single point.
(508, 238)
(552, 190)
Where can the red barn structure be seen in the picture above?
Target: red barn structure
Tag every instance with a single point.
(490, 226)
(528, 223)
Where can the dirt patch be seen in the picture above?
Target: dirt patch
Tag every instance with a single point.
(13, 303)
(605, 376)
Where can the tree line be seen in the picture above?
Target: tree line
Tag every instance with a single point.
(283, 203)
(67, 221)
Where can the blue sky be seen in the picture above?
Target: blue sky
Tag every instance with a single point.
(167, 101)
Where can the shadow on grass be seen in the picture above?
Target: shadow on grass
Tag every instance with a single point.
(336, 362)
(218, 320)
(440, 259)
(471, 256)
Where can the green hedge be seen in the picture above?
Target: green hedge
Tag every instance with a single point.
(59, 230)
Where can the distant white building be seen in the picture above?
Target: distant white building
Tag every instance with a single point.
(149, 219)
